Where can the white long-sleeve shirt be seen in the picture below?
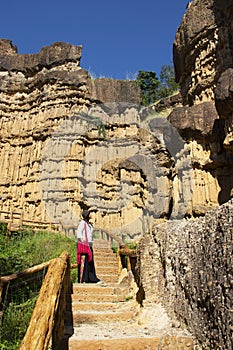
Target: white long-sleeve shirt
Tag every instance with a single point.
(81, 231)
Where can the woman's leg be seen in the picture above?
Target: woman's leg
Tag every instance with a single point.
(85, 272)
(81, 268)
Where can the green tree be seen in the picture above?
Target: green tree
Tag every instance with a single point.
(149, 84)
(153, 88)
(167, 81)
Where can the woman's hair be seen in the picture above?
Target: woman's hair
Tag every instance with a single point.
(86, 215)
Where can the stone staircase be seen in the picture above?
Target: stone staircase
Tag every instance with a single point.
(107, 316)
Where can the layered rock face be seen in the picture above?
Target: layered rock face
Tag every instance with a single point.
(203, 61)
(203, 58)
(187, 265)
(39, 93)
(68, 143)
(61, 154)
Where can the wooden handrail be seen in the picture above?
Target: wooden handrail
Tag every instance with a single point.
(112, 236)
(123, 249)
(30, 271)
(46, 326)
(128, 252)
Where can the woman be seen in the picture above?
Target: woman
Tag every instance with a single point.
(86, 268)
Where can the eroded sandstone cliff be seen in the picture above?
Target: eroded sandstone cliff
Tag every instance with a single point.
(203, 61)
(38, 94)
(61, 153)
(203, 58)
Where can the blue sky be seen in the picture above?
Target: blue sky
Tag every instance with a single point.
(119, 38)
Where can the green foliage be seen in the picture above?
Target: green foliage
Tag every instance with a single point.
(28, 248)
(167, 81)
(132, 245)
(15, 323)
(93, 121)
(3, 229)
(149, 84)
(115, 249)
(152, 88)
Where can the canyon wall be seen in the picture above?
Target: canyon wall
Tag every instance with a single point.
(203, 62)
(69, 142)
(45, 99)
(37, 92)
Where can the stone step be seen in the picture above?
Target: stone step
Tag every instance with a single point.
(133, 343)
(108, 278)
(92, 288)
(113, 298)
(105, 262)
(98, 245)
(104, 249)
(111, 332)
(100, 241)
(101, 316)
(97, 306)
(104, 254)
(108, 270)
(98, 289)
(102, 246)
